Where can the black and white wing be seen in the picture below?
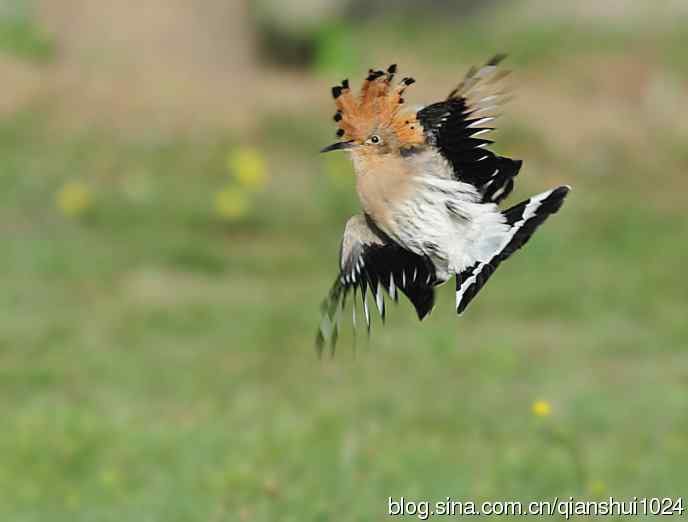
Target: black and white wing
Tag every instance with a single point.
(456, 126)
(523, 220)
(372, 263)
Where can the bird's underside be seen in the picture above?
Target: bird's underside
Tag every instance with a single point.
(446, 221)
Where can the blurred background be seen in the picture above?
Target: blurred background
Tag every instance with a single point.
(168, 231)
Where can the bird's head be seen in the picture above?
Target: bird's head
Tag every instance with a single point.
(376, 120)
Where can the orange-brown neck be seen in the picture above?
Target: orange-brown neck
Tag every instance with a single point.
(382, 182)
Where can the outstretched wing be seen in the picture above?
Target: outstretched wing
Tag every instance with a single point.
(455, 125)
(371, 262)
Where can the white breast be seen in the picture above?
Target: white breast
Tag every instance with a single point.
(444, 219)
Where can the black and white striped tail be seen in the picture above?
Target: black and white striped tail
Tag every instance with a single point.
(524, 218)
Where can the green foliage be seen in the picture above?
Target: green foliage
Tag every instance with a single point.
(20, 35)
(453, 40)
(337, 50)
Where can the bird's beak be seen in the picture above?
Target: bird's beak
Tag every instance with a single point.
(340, 145)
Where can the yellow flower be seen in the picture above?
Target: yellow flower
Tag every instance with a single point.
(597, 488)
(248, 167)
(74, 198)
(231, 203)
(541, 408)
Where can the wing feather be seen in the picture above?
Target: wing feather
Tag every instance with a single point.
(457, 126)
(372, 262)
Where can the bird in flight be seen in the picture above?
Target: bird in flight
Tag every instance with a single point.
(430, 192)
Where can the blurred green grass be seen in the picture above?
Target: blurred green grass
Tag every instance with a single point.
(157, 362)
(530, 41)
(20, 35)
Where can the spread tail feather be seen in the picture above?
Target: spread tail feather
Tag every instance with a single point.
(523, 220)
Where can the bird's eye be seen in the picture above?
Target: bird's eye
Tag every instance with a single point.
(374, 140)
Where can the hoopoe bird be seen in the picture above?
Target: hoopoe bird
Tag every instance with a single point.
(429, 190)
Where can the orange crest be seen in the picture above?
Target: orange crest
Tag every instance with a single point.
(378, 106)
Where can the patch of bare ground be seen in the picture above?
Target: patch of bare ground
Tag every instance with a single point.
(586, 100)
(162, 64)
(604, 12)
(21, 84)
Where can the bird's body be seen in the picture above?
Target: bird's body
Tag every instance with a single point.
(416, 202)
(429, 191)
